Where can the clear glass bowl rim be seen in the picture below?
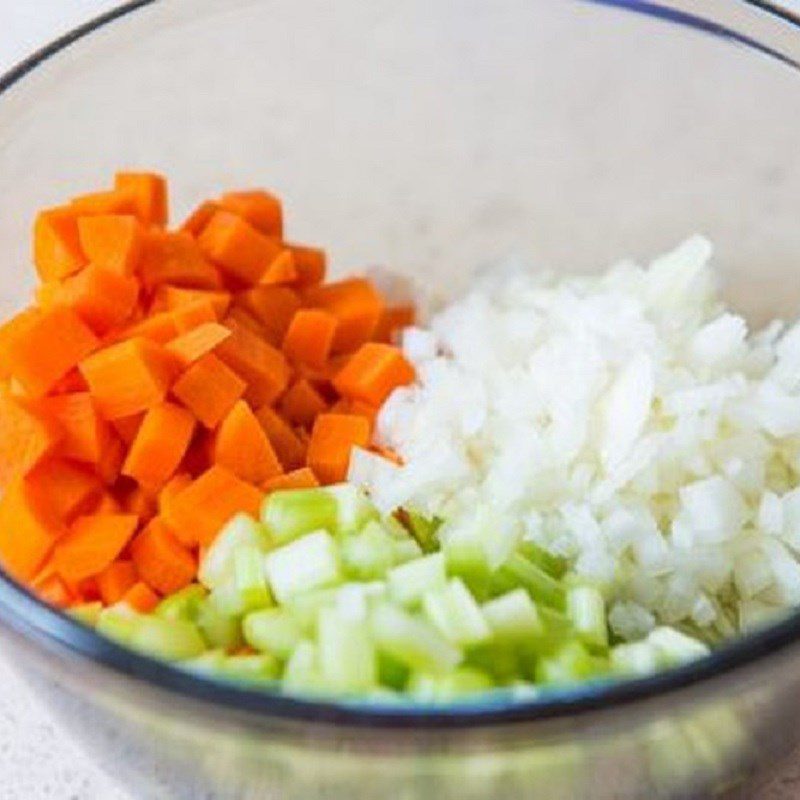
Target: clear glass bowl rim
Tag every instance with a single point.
(30, 618)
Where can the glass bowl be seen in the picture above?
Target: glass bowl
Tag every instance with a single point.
(433, 137)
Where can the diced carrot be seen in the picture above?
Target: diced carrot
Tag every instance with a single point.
(298, 479)
(209, 388)
(115, 580)
(92, 543)
(198, 342)
(241, 445)
(310, 337)
(237, 247)
(191, 315)
(65, 488)
(28, 530)
(356, 305)
(388, 454)
(373, 372)
(159, 328)
(239, 317)
(26, 437)
(290, 449)
(106, 504)
(281, 270)
(110, 463)
(273, 306)
(199, 218)
(85, 433)
(103, 298)
(168, 298)
(54, 591)
(140, 597)
(161, 561)
(262, 366)
(128, 377)
(142, 502)
(149, 192)
(302, 403)
(56, 248)
(70, 383)
(260, 208)
(393, 320)
(174, 257)
(358, 407)
(172, 488)
(9, 331)
(128, 427)
(113, 201)
(112, 241)
(200, 510)
(332, 439)
(310, 264)
(160, 445)
(44, 347)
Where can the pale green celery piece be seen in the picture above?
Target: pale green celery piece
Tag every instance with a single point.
(368, 554)
(397, 529)
(634, 658)
(353, 508)
(674, 647)
(542, 588)
(504, 661)
(304, 608)
(454, 611)
(570, 663)
(218, 628)
(513, 617)
(392, 673)
(412, 641)
(294, 512)
(251, 668)
(171, 640)
(302, 670)
(405, 549)
(409, 581)
(227, 598)
(347, 658)
(354, 600)
(117, 622)
(183, 604)
(586, 609)
(208, 663)
(251, 582)
(217, 564)
(441, 688)
(424, 530)
(272, 630)
(553, 565)
(311, 562)
(87, 613)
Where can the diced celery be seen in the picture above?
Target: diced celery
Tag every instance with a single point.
(586, 609)
(117, 622)
(405, 549)
(353, 508)
(552, 565)
(347, 659)
(369, 553)
(391, 672)
(304, 607)
(218, 628)
(172, 640)
(227, 598)
(217, 564)
(294, 512)
(674, 647)
(454, 611)
(302, 565)
(272, 630)
(479, 543)
(87, 613)
(504, 661)
(250, 668)
(409, 581)
(353, 600)
(570, 663)
(398, 530)
(513, 617)
(302, 670)
(423, 529)
(183, 604)
(412, 641)
(635, 658)
(208, 663)
(441, 688)
(541, 587)
(251, 582)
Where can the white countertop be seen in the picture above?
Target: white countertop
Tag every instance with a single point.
(37, 759)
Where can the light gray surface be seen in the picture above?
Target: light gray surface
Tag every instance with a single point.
(37, 759)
